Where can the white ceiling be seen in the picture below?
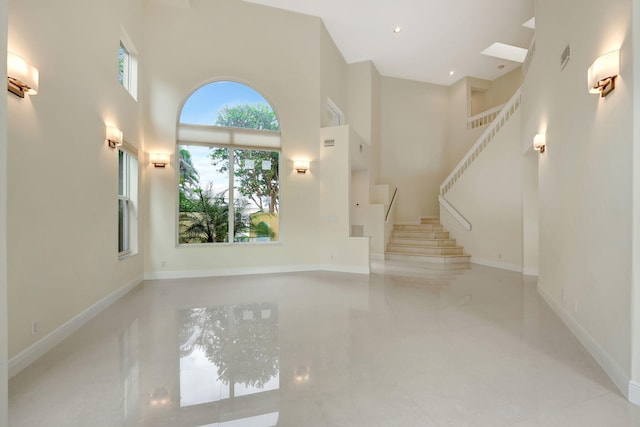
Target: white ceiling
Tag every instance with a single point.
(437, 36)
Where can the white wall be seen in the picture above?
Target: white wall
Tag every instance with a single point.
(3, 222)
(288, 59)
(530, 208)
(489, 196)
(634, 389)
(341, 252)
(333, 74)
(585, 175)
(413, 141)
(62, 177)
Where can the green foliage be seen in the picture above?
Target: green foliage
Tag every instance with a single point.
(189, 177)
(207, 220)
(256, 116)
(263, 230)
(261, 186)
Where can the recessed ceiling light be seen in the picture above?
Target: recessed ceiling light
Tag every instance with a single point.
(397, 30)
(506, 51)
(451, 73)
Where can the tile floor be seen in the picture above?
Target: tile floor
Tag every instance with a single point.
(402, 347)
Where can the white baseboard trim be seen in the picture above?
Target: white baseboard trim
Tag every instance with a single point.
(610, 366)
(29, 355)
(376, 257)
(219, 272)
(497, 264)
(634, 392)
(530, 272)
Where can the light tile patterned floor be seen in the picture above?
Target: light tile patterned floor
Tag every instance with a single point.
(402, 347)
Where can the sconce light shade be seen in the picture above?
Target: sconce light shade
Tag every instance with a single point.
(540, 142)
(159, 160)
(22, 77)
(602, 74)
(114, 136)
(302, 166)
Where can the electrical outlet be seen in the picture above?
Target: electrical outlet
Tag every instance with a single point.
(499, 256)
(163, 263)
(34, 327)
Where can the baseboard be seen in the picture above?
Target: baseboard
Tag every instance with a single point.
(29, 355)
(218, 272)
(376, 257)
(610, 366)
(530, 272)
(634, 392)
(497, 264)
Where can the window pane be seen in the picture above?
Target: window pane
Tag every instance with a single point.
(256, 191)
(204, 194)
(121, 173)
(123, 226)
(229, 104)
(123, 75)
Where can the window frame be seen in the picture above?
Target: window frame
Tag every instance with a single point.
(232, 148)
(130, 72)
(128, 170)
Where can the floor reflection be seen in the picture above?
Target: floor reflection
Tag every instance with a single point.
(227, 352)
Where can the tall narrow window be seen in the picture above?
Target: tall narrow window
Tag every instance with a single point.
(124, 75)
(229, 151)
(335, 116)
(128, 65)
(127, 199)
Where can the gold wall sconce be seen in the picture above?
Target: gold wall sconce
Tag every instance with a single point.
(22, 77)
(159, 160)
(540, 142)
(302, 166)
(113, 136)
(602, 74)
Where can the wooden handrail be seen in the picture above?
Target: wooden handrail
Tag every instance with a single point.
(386, 217)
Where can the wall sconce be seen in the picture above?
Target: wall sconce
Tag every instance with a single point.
(159, 160)
(602, 74)
(301, 374)
(302, 166)
(114, 136)
(22, 77)
(540, 142)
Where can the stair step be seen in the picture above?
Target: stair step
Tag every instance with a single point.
(421, 234)
(433, 243)
(430, 220)
(424, 250)
(442, 259)
(417, 227)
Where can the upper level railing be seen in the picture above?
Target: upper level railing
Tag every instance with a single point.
(489, 133)
(484, 118)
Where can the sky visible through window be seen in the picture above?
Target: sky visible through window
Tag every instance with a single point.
(203, 105)
(202, 108)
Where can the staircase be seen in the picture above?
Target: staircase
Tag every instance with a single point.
(424, 242)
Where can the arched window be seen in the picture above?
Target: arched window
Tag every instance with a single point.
(229, 151)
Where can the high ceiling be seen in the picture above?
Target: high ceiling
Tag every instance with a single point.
(436, 37)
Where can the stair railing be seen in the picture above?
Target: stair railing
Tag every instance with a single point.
(462, 220)
(393, 198)
(487, 136)
(484, 118)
